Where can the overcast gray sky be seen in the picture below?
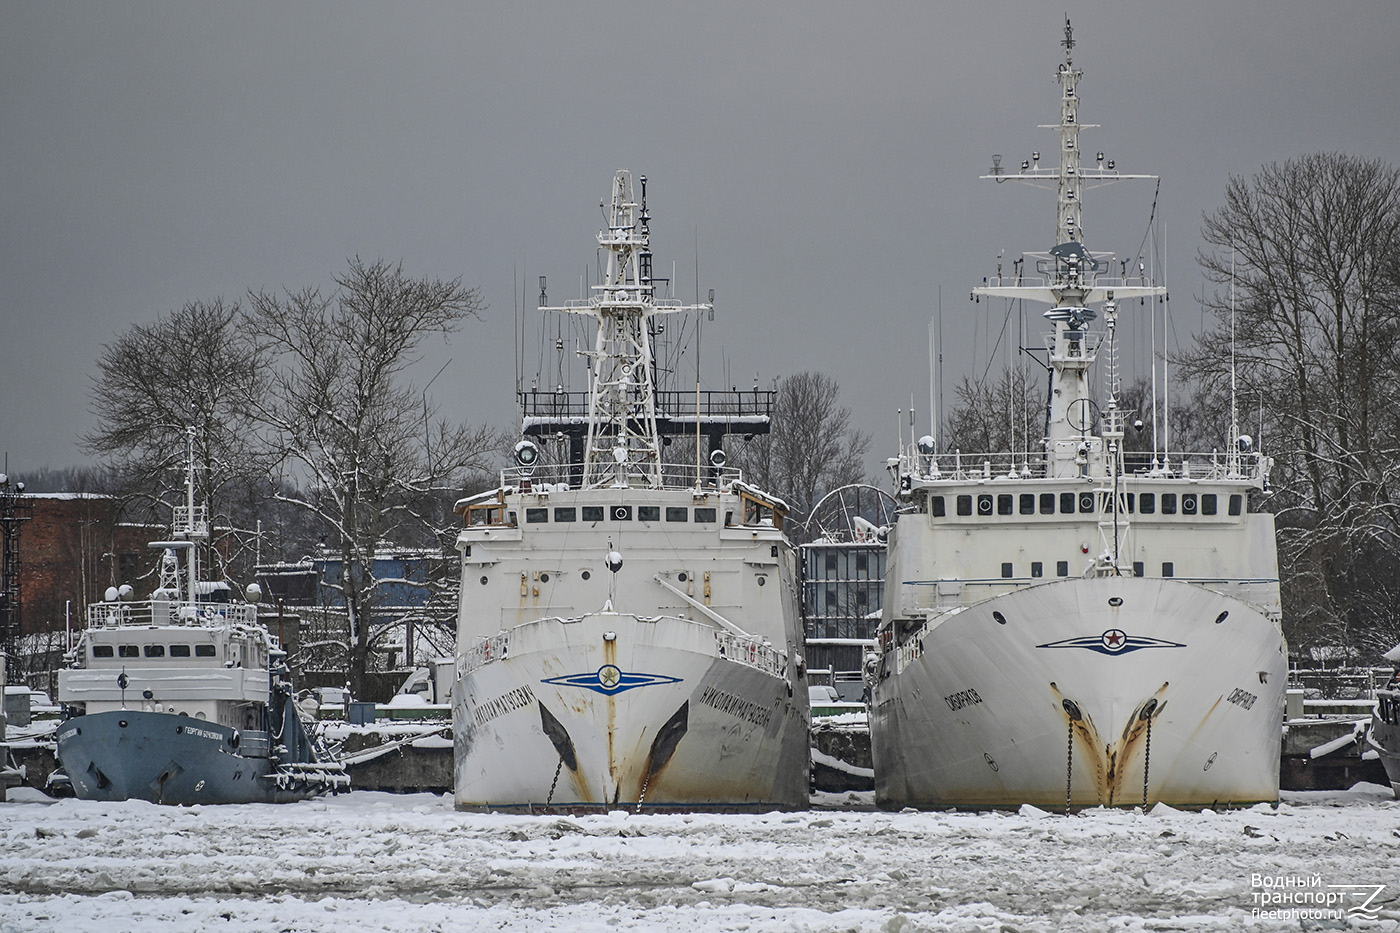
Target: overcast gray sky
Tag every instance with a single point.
(820, 158)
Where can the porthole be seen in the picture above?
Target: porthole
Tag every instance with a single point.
(1115, 601)
(622, 513)
(984, 504)
(1222, 617)
(483, 581)
(544, 578)
(1001, 619)
(586, 575)
(1086, 502)
(762, 580)
(681, 576)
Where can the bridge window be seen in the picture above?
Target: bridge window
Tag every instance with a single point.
(984, 504)
(648, 513)
(567, 514)
(155, 651)
(592, 513)
(676, 513)
(1208, 506)
(1061, 568)
(128, 651)
(1168, 568)
(1138, 569)
(536, 515)
(101, 651)
(1188, 503)
(1004, 503)
(964, 505)
(179, 651)
(1037, 569)
(1147, 503)
(1235, 503)
(1047, 503)
(1027, 503)
(936, 504)
(1168, 503)
(1006, 570)
(204, 651)
(1067, 503)
(705, 515)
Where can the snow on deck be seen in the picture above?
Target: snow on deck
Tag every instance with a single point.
(378, 862)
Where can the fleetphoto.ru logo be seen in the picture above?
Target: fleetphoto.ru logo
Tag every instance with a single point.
(1305, 897)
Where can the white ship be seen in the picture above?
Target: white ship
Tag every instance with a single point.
(1075, 625)
(628, 634)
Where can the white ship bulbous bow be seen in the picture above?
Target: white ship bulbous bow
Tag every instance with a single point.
(1173, 695)
(612, 710)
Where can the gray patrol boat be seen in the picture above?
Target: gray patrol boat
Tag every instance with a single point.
(184, 698)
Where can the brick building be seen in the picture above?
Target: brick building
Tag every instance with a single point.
(72, 549)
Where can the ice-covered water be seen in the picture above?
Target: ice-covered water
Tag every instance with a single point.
(377, 862)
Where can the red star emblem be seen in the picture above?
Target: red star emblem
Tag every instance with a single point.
(1114, 639)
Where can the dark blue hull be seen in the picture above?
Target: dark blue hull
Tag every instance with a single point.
(170, 759)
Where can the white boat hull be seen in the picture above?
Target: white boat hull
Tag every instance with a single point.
(976, 713)
(655, 718)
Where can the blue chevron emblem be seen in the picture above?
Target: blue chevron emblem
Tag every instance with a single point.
(1114, 641)
(610, 679)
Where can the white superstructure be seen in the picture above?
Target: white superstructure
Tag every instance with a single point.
(628, 633)
(1079, 625)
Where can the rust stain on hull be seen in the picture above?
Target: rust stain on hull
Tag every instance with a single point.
(1109, 761)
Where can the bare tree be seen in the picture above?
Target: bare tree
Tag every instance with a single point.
(192, 368)
(1002, 416)
(371, 458)
(812, 448)
(1306, 259)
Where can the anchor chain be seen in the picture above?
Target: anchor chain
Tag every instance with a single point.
(554, 783)
(1069, 764)
(1146, 716)
(1146, 763)
(1074, 713)
(642, 794)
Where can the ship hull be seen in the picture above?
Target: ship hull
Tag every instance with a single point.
(1022, 697)
(169, 759)
(667, 714)
(1384, 737)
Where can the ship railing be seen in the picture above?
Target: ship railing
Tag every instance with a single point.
(560, 407)
(1044, 262)
(167, 612)
(484, 651)
(752, 651)
(561, 477)
(1215, 465)
(749, 650)
(940, 595)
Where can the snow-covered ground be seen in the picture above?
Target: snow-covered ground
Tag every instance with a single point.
(378, 862)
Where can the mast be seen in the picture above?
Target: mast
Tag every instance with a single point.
(1070, 282)
(623, 445)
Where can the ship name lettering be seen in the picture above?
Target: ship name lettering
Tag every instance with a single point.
(736, 706)
(962, 699)
(203, 733)
(1242, 698)
(519, 698)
